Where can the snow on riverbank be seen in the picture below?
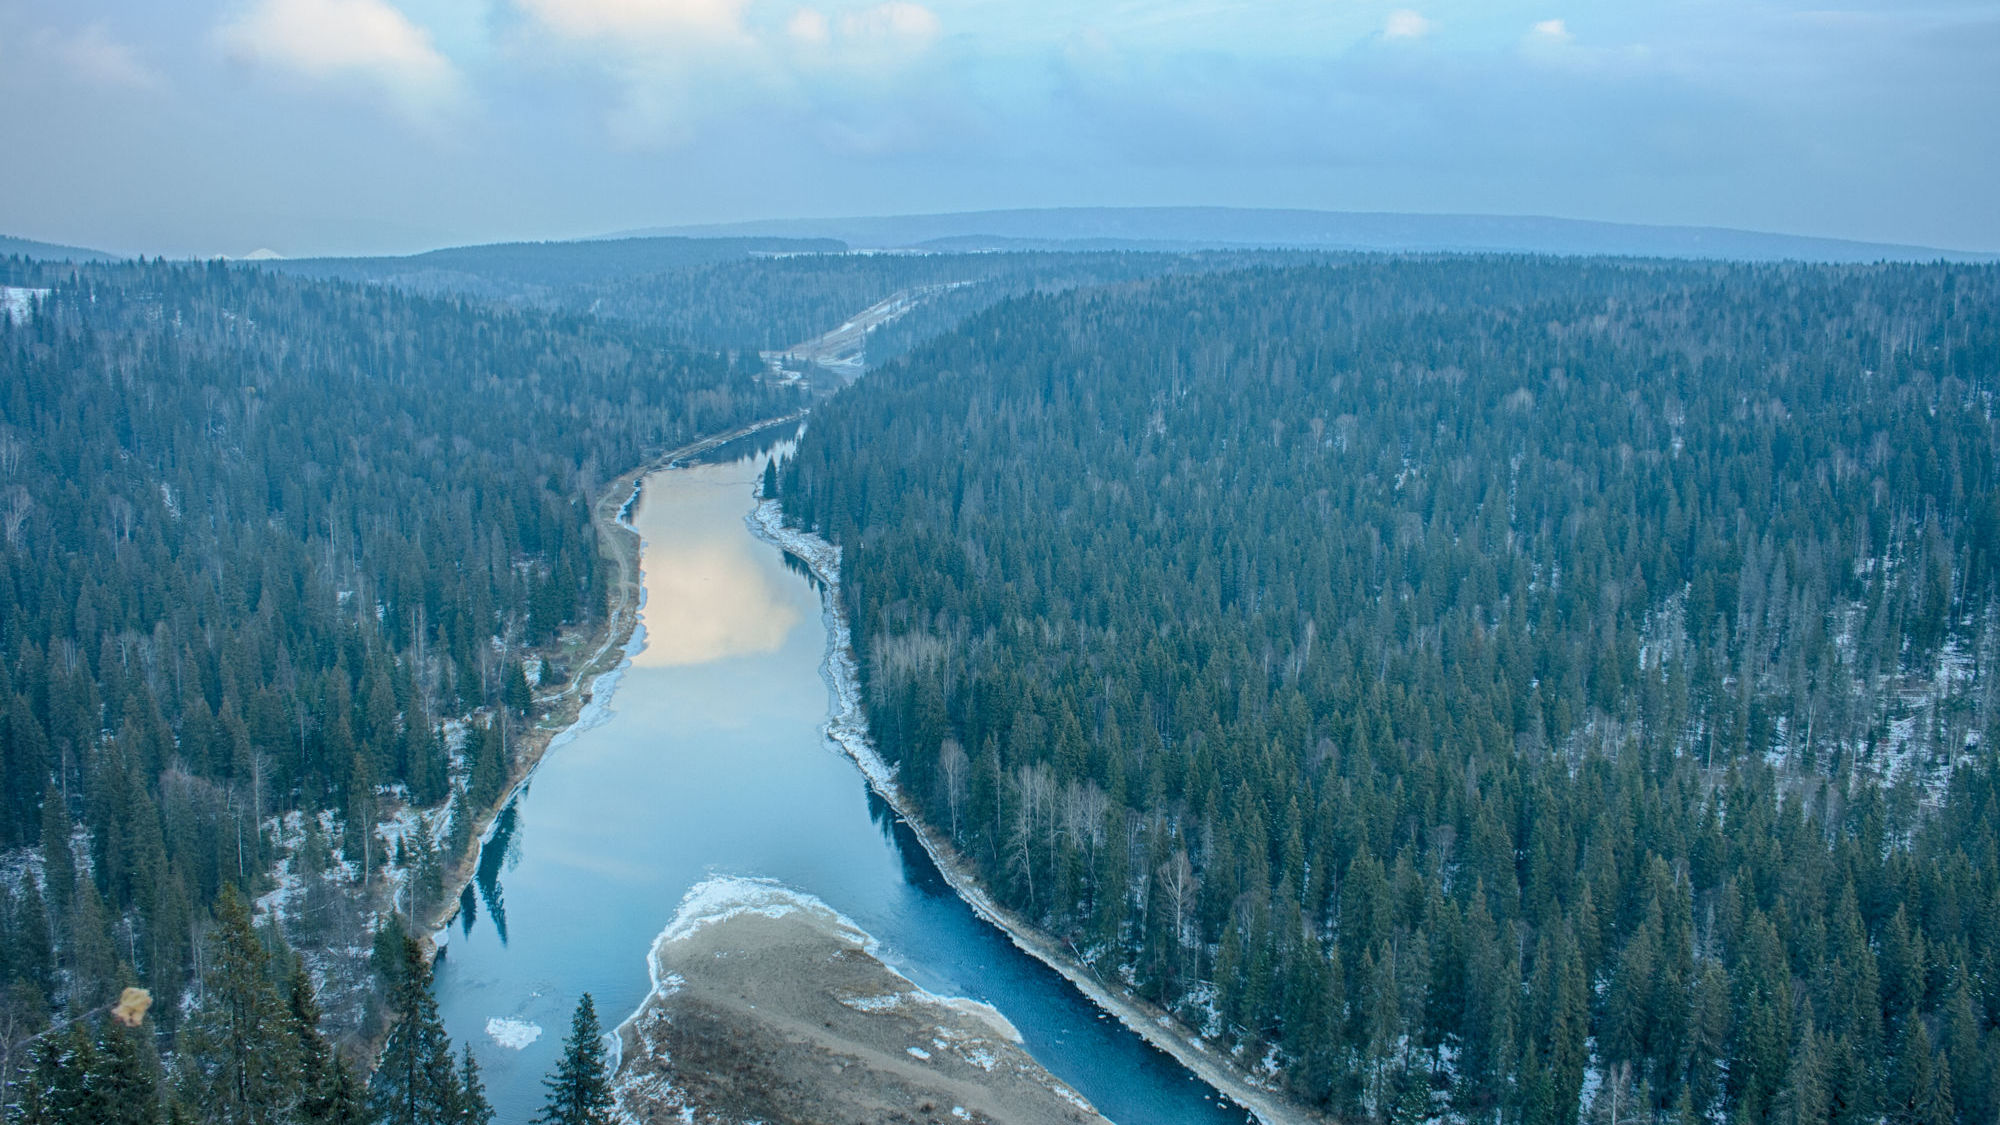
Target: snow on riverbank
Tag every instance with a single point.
(847, 728)
(762, 992)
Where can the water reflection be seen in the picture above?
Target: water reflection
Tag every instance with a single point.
(709, 601)
(711, 760)
(494, 856)
(708, 597)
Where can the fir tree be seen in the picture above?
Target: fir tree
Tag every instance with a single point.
(1805, 1100)
(415, 1081)
(514, 689)
(125, 1079)
(580, 1088)
(330, 1094)
(239, 1053)
(473, 1108)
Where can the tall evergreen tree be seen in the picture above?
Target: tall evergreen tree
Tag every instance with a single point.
(473, 1108)
(416, 1081)
(238, 1055)
(580, 1087)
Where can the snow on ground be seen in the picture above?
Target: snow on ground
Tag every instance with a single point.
(872, 1003)
(847, 728)
(18, 302)
(727, 896)
(513, 1034)
(984, 1013)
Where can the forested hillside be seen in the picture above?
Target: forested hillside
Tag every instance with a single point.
(713, 294)
(279, 558)
(1500, 686)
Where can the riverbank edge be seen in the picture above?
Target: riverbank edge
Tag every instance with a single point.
(619, 542)
(847, 727)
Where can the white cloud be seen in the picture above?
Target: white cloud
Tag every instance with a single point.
(645, 19)
(682, 62)
(809, 27)
(896, 20)
(91, 54)
(1406, 23)
(1551, 31)
(368, 40)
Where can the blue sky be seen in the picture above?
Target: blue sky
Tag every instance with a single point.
(344, 126)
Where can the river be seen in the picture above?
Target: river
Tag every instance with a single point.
(708, 759)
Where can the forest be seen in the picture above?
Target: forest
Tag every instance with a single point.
(745, 295)
(285, 565)
(1510, 689)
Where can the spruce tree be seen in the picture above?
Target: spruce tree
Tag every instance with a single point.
(580, 1088)
(473, 1108)
(515, 692)
(415, 1082)
(125, 1079)
(329, 1092)
(239, 1053)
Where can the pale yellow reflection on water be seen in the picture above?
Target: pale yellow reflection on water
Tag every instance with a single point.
(707, 599)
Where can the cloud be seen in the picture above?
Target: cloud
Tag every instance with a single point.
(1405, 23)
(652, 20)
(1550, 32)
(896, 20)
(808, 27)
(94, 56)
(680, 63)
(365, 40)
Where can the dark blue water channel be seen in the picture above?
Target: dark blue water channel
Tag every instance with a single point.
(708, 759)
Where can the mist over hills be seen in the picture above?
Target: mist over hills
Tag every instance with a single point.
(557, 263)
(1184, 228)
(11, 247)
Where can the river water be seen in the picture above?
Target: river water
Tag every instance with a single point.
(709, 760)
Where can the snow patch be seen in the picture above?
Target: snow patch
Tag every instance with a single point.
(725, 897)
(513, 1034)
(872, 1003)
(985, 1013)
(18, 302)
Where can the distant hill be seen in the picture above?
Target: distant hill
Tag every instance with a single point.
(1186, 228)
(49, 251)
(506, 268)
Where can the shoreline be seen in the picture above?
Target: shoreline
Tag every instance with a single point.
(569, 706)
(847, 727)
(769, 1005)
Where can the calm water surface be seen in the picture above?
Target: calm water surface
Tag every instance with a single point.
(711, 762)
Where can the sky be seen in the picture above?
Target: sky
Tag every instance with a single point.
(205, 127)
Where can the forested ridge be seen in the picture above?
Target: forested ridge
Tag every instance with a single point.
(1508, 688)
(730, 295)
(281, 558)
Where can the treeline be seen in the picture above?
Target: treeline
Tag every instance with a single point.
(775, 303)
(266, 545)
(1507, 688)
(712, 294)
(251, 1050)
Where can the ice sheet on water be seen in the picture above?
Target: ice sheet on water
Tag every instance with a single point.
(513, 1034)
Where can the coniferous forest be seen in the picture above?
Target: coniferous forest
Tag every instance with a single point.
(1494, 689)
(279, 556)
(1509, 688)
